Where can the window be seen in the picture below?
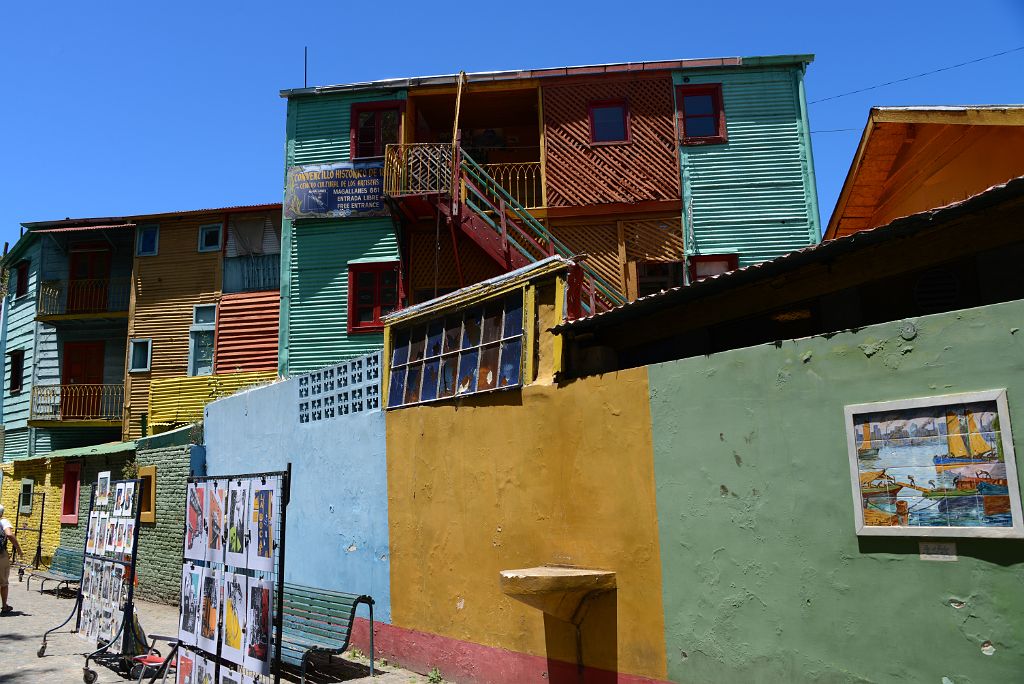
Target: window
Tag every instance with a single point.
(16, 383)
(140, 355)
(464, 352)
(701, 115)
(372, 293)
(375, 125)
(147, 495)
(655, 276)
(706, 265)
(609, 121)
(200, 352)
(147, 240)
(69, 492)
(21, 279)
(209, 237)
(25, 500)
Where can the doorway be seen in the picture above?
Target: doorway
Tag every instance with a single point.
(89, 279)
(82, 380)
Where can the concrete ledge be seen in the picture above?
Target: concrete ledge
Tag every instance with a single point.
(555, 589)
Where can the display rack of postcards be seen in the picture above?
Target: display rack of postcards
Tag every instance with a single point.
(229, 629)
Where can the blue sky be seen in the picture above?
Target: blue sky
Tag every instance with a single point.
(118, 108)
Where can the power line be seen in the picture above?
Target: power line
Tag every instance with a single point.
(835, 130)
(926, 73)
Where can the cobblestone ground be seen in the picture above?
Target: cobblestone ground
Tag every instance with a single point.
(21, 634)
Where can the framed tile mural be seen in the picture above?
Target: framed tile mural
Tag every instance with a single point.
(938, 466)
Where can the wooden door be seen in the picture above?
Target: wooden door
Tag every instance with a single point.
(89, 279)
(82, 380)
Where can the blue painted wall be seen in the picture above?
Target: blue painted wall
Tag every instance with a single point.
(337, 535)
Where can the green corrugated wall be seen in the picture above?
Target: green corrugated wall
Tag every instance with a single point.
(755, 195)
(314, 279)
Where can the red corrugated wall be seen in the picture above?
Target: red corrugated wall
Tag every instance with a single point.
(247, 325)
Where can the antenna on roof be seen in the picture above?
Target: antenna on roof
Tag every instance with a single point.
(305, 66)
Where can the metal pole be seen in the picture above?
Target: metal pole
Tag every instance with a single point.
(286, 493)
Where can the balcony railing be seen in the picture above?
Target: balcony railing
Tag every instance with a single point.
(77, 402)
(84, 296)
(520, 179)
(418, 169)
(252, 273)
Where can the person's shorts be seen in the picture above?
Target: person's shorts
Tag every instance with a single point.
(5, 569)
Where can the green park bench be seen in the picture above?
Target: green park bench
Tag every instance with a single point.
(65, 568)
(318, 621)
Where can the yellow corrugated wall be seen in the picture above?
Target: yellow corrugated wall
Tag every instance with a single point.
(48, 474)
(182, 399)
(165, 287)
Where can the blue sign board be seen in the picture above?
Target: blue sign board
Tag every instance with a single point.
(350, 189)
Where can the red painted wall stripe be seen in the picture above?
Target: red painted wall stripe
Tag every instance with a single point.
(464, 662)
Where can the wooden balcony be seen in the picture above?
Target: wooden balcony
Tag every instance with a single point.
(84, 298)
(418, 169)
(80, 405)
(252, 273)
(521, 180)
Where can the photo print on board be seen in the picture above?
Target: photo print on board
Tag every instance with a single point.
(101, 533)
(257, 627)
(204, 671)
(129, 498)
(111, 543)
(191, 582)
(237, 512)
(261, 525)
(90, 535)
(234, 617)
(209, 610)
(195, 522)
(129, 538)
(216, 494)
(229, 676)
(119, 538)
(186, 666)
(118, 498)
(103, 488)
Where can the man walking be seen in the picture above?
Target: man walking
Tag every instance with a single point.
(7, 539)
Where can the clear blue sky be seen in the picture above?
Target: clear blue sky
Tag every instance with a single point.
(113, 108)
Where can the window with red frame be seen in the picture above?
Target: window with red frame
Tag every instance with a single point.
(373, 291)
(706, 265)
(21, 279)
(609, 121)
(701, 115)
(375, 125)
(69, 492)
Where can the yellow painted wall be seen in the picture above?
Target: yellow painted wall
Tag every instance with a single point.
(520, 479)
(49, 476)
(181, 400)
(956, 165)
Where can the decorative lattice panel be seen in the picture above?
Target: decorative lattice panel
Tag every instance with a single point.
(335, 391)
(644, 169)
(476, 264)
(600, 242)
(654, 239)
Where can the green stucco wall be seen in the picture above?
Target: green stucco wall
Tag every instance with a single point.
(765, 578)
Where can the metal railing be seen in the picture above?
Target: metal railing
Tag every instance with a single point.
(252, 273)
(520, 179)
(417, 169)
(77, 402)
(84, 296)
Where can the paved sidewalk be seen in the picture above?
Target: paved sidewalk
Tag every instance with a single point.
(21, 634)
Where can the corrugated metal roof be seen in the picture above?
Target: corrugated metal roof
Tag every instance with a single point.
(37, 226)
(821, 252)
(554, 72)
(95, 450)
(71, 229)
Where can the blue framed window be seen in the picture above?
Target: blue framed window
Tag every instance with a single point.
(147, 240)
(209, 237)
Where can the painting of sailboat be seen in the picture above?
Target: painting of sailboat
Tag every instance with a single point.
(941, 465)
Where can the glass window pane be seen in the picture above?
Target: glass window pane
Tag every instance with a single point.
(396, 394)
(434, 333)
(204, 314)
(492, 322)
(513, 315)
(366, 279)
(365, 297)
(389, 296)
(700, 127)
(389, 278)
(400, 353)
(511, 361)
(429, 390)
(467, 372)
(412, 384)
(202, 352)
(211, 237)
(365, 315)
(389, 126)
(449, 366)
(471, 336)
(140, 354)
(147, 241)
(697, 104)
(609, 123)
(452, 332)
(417, 343)
(488, 368)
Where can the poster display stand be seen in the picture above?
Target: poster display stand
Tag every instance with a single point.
(104, 610)
(232, 579)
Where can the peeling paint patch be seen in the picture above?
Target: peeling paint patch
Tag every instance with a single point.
(806, 357)
(956, 603)
(351, 548)
(987, 648)
(871, 347)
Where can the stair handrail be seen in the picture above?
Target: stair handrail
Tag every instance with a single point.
(472, 168)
